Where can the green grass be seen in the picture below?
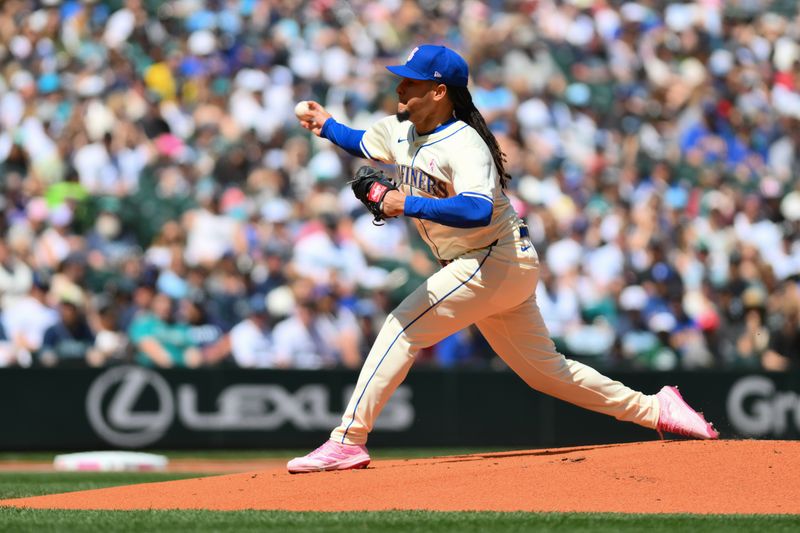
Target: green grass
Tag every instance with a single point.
(21, 484)
(407, 521)
(13, 485)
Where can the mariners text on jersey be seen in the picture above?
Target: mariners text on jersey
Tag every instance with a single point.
(420, 180)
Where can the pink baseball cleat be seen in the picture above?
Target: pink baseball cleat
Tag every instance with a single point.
(330, 456)
(677, 417)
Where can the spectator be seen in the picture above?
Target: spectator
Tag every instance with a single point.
(304, 339)
(111, 343)
(107, 243)
(210, 233)
(228, 292)
(70, 341)
(270, 270)
(204, 331)
(251, 339)
(324, 252)
(753, 337)
(56, 242)
(140, 302)
(335, 317)
(27, 320)
(161, 339)
(69, 279)
(16, 277)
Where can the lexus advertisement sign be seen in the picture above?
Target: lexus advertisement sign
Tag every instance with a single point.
(131, 407)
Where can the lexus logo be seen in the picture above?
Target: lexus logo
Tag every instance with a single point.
(111, 406)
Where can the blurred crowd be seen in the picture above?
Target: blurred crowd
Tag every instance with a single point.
(161, 205)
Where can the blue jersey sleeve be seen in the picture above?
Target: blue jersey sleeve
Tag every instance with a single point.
(458, 212)
(346, 138)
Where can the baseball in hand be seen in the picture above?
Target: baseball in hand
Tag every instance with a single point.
(301, 109)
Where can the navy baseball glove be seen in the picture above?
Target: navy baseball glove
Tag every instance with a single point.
(370, 186)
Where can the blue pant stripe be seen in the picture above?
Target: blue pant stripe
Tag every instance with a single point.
(353, 419)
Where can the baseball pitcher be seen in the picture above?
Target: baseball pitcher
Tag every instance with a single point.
(450, 181)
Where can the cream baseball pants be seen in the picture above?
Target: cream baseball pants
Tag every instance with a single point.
(493, 288)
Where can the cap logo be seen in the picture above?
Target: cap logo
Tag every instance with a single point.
(411, 55)
(437, 74)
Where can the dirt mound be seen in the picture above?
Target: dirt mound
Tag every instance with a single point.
(650, 477)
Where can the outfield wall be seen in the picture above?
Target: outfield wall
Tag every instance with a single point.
(129, 407)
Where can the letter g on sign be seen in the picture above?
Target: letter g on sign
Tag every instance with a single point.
(757, 391)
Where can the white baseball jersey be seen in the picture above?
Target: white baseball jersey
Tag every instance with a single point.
(452, 160)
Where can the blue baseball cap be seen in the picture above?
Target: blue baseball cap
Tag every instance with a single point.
(434, 63)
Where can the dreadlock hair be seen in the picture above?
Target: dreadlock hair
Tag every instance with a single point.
(466, 111)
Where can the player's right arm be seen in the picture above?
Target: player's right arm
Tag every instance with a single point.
(370, 144)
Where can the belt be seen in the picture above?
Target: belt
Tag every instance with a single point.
(445, 262)
(523, 234)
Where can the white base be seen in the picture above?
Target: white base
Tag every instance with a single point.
(111, 461)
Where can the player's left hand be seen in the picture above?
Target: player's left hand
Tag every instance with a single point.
(394, 203)
(372, 187)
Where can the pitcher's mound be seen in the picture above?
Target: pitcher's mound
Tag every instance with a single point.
(650, 477)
